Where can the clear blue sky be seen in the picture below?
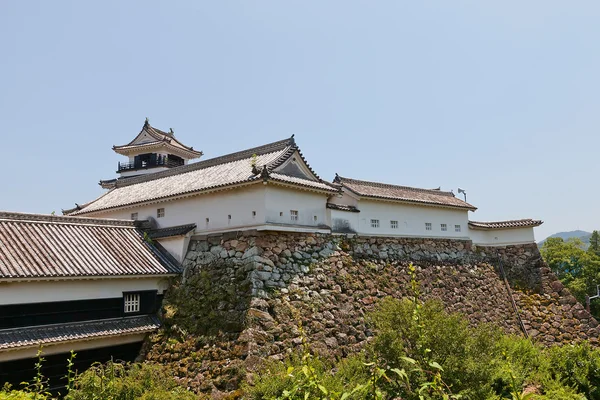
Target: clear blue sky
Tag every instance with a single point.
(500, 98)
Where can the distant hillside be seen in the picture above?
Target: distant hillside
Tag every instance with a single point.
(583, 235)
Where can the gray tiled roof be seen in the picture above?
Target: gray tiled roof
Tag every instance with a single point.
(53, 334)
(170, 231)
(47, 246)
(515, 223)
(402, 193)
(342, 207)
(219, 172)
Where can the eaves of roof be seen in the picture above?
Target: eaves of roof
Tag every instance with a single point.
(177, 150)
(509, 224)
(159, 136)
(342, 207)
(171, 231)
(46, 335)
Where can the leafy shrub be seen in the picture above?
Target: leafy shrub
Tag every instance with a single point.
(116, 381)
(577, 366)
(8, 394)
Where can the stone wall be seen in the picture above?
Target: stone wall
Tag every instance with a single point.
(325, 284)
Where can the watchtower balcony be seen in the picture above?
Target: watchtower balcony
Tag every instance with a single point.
(147, 161)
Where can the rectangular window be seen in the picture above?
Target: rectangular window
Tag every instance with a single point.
(253, 214)
(394, 224)
(444, 227)
(160, 212)
(207, 221)
(134, 216)
(427, 226)
(456, 228)
(132, 303)
(294, 215)
(374, 223)
(315, 218)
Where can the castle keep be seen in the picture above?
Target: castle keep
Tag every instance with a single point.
(260, 244)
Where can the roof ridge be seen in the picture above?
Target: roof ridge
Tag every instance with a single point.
(19, 216)
(211, 162)
(341, 179)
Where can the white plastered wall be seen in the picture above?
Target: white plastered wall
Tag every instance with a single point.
(280, 201)
(411, 220)
(22, 292)
(343, 221)
(217, 206)
(502, 237)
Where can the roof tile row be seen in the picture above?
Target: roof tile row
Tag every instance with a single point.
(402, 193)
(54, 334)
(43, 246)
(516, 223)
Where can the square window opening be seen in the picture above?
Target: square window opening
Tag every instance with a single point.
(160, 212)
(294, 215)
(427, 226)
(374, 223)
(134, 216)
(444, 227)
(456, 228)
(131, 303)
(394, 224)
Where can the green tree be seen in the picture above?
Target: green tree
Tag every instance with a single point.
(566, 259)
(577, 269)
(595, 243)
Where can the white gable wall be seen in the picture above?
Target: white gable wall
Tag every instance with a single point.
(502, 237)
(177, 246)
(345, 199)
(411, 220)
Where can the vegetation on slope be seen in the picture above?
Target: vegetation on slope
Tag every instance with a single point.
(419, 351)
(422, 352)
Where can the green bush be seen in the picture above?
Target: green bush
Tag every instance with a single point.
(576, 366)
(466, 354)
(116, 381)
(8, 394)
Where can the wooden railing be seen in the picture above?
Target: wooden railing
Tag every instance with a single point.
(162, 162)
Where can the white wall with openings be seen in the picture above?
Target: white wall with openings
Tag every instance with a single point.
(20, 292)
(388, 218)
(227, 209)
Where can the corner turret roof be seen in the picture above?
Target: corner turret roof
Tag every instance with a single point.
(157, 138)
